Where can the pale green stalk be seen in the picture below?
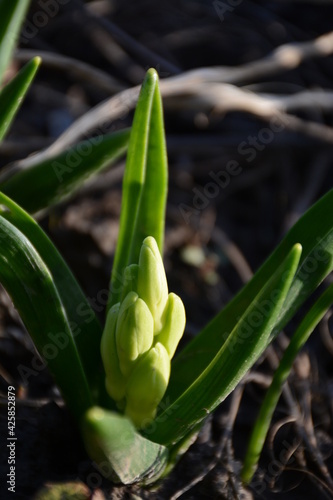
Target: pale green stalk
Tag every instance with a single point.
(271, 399)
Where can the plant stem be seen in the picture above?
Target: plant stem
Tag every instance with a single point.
(271, 399)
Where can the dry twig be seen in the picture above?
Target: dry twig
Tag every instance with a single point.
(203, 90)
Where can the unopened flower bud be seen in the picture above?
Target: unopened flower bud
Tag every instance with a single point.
(147, 385)
(134, 333)
(173, 324)
(141, 336)
(130, 280)
(115, 381)
(152, 283)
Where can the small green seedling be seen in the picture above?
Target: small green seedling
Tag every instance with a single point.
(141, 336)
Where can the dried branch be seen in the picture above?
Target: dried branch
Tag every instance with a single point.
(200, 90)
(75, 68)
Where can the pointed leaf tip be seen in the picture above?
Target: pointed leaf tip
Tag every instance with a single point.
(152, 73)
(37, 61)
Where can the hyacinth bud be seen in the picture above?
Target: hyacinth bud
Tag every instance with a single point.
(115, 381)
(173, 324)
(147, 385)
(152, 283)
(141, 336)
(130, 280)
(134, 332)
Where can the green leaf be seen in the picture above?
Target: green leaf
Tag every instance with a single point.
(314, 231)
(83, 322)
(144, 184)
(13, 93)
(12, 14)
(46, 183)
(119, 451)
(260, 429)
(29, 283)
(239, 352)
(151, 216)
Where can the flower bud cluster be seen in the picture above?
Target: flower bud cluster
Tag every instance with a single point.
(141, 336)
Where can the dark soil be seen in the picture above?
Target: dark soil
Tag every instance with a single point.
(210, 250)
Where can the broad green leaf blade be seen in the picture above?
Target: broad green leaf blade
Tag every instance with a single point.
(119, 451)
(46, 183)
(83, 322)
(29, 283)
(144, 184)
(13, 93)
(240, 351)
(314, 231)
(12, 14)
(260, 429)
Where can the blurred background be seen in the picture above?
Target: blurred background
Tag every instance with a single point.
(247, 88)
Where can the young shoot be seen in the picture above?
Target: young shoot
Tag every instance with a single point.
(141, 336)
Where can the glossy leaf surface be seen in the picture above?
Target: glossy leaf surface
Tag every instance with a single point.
(12, 94)
(119, 451)
(12, 14)
(314, 231)
(85, 327)
(239, 352)
(29, 283)
(144, 183)
(44, 184)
